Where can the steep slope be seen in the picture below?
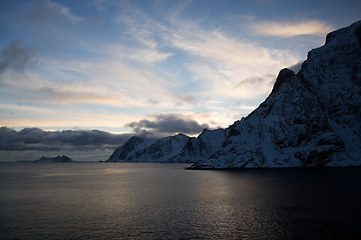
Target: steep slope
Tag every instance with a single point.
(311, 119)
(202, 147)
(134, 144)
(179, 148)
(145, 150)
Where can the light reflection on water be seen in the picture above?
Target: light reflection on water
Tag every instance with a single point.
(164, 201)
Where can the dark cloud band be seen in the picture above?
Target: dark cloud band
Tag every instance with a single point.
(69, 140)
(169, 123)
(91, 140)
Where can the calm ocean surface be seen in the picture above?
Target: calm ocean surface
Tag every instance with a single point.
(164, 201)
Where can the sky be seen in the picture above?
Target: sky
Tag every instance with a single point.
(81, 77)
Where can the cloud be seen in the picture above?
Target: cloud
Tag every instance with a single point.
(152, 101)
(111, 82)
(129, 80)
(219, 61)
(78, 93)
(296, 67)
(66, 117)
(310, 27)
(199, 52)
(48, 20)
(168, 124)
(141, 27)
(145, 55)
(149, 56)
(18, 56)
(182, 100)
(35, 89)
(47, 12)
(223, 50)
(256, 81)
(67, 140)
(92, 140)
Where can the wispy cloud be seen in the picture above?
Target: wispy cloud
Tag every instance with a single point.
(36, 89)
(212, 51)
(48, 12)
(224, 60)
(53, 116)
(219, 61)
(222, 49)
(88, 93)
(111, 82)
(185, 100)
(145, 55)
(291, 29)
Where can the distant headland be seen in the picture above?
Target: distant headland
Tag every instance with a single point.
(51, 159)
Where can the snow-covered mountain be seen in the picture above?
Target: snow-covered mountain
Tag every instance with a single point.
(179, 148)
(129, 148)
(311, 119)
(202, 147)
(138, 149)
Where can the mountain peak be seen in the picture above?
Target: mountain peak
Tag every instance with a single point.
(311, 119)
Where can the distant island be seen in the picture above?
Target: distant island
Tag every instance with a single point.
(51, 159)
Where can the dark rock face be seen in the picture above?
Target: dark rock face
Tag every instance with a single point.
(62, 159)
(55, 159)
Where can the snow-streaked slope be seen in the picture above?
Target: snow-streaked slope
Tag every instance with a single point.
(179, 148)
(134, 144)
(202, 147)
(311, 119)
(145, 150)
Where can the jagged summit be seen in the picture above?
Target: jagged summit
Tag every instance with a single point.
(311, 119)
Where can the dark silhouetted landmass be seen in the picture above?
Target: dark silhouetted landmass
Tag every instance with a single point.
(52, 159)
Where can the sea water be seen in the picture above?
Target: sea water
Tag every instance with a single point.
(165, 201)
